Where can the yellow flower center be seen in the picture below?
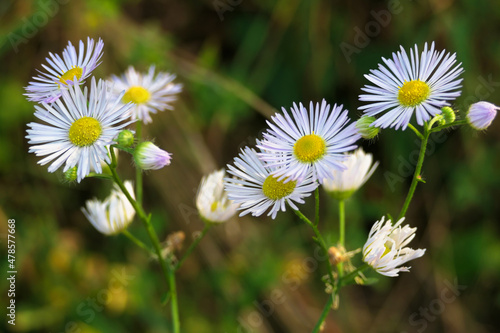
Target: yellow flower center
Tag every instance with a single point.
(413, 93)
(70, 75)
(276, 189)
(309, 148)
(85, 131)
(214, 205)
(137, 95)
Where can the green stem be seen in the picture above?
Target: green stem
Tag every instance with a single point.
(417, 132)
(319, 240)
(316, 199)
(329, 302)
(340, 266)
(137, 242)
(455, 123)
(420, 162)
(173, 294)
(138, 171)
(193, 245)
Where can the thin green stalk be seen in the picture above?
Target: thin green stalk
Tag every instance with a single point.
(420, 162)
(455, 123)
(193, 245)
(175, 306)
(417, 132)
(316, 213)
(137, 242)
(320, 241)
(138, 171)
(329, 302)
(340, 266)
(142, 216)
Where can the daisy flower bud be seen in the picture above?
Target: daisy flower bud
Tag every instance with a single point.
(343, 183)
(148, 156)
(70, 175)
(365, 129)
(125, 138)
(212, 201)
(481, 114)
(114, 214)
(448, 115)
(385, 248)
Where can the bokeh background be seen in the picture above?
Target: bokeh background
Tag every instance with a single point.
(239, 62)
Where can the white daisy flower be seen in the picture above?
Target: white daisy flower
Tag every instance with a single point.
(61, 72)
(385, 248)
(212, 201)
(420, 83)
(149, 93)
(343, 183)
(114, 214)
(257, 190)
(308, 141)
(148, 156)
(79, 128)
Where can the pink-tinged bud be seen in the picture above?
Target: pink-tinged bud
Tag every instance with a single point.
(148, 156)
(481, 114)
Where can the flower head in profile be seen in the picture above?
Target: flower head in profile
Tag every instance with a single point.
(148, 156)
(212, 201)
(78, 129)
(257, 190)
(148, 92)
(419, 83)
(72, 69)
(385, 248)
(308, 141)
(114, 214)
(481, 114)
(343, 183)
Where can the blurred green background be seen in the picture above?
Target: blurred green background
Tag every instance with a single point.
(239, 62)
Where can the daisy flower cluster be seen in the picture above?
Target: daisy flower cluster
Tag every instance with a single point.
(80, 124)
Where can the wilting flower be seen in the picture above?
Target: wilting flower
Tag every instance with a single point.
(79, 129)
(148, 92)
(420, 84)
(385, 248)
(256, 189)
(114, 214)
(72, 69)
(212, 201)
(481, 114)
(148, 156)
(308, 141)
(342, 184)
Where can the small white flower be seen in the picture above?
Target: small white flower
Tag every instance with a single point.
(61, 72)
(149, 93)
(79, 129)
(308, 142)
(114, 214)
(359, 168)
(385, 248)
(420, 84)
(148, 156)
(212, 201)
(257, 190)
(481, 114)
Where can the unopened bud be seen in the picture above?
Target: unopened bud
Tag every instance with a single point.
(448, 115)
(365, 129)
(70, 175)
(148, 156)
(125, 138)
(481, 114)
